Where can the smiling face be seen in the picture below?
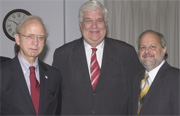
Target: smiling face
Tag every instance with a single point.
(93, 27)
(151, 53)
(30, 48)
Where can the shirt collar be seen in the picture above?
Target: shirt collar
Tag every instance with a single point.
(88, 46)
(25, 64)
(152, 74)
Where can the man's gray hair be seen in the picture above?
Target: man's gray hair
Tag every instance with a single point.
(26, 20)
(91, 5)
(161, 37)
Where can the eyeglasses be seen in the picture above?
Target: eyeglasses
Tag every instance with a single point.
(31, 37)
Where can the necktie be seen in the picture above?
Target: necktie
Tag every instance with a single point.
(35, 89)
(144, 89)
(95, 70)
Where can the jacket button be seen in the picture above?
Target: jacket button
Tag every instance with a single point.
(93, 112)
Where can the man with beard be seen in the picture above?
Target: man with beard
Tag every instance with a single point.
(155, 91)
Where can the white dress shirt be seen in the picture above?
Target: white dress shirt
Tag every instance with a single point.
(152, 74)
(99, 53)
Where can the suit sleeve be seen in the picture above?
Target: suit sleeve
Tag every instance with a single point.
(175, 94)
(133, 68)
(55, 59)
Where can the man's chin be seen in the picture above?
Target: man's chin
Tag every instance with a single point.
(148, 65)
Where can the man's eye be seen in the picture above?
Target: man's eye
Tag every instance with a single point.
(41, 37)
(29, 36)
(100, 20)
(153, 47)
(142, 48)
(87, 20)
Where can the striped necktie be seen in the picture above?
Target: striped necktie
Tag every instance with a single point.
(144, 89)
(94, 67)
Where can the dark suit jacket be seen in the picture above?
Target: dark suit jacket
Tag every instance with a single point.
(163, 95)
(3, 59)
(15, 97)
(112, 93)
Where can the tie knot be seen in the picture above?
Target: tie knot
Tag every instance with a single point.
(146, 76)
(94, 49)
(32, 69)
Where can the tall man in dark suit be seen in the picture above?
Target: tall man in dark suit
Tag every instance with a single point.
(158, 94)
(96, 70)
(29, 86)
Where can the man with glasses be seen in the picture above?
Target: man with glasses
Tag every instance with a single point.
(29, 86)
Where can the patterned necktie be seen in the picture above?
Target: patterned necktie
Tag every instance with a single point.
(95, 70)
(144, 89)
(35, 89)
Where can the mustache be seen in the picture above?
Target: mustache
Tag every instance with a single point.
(148, 54)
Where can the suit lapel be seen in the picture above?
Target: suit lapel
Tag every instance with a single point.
(107, 65)
(156, 83)
(80, 64)
(18, 77)
(80, 67)
(43, 85)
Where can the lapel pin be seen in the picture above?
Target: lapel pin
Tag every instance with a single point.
(46, 77)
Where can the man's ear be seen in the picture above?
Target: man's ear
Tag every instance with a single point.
(106, 23)
(80, 25)
(164, 50)
(17, 39)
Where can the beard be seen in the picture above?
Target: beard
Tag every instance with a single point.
(151, 65)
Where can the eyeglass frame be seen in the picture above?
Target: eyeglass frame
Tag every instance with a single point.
(32, 37)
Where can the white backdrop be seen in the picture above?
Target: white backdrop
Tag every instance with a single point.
(129, 18)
